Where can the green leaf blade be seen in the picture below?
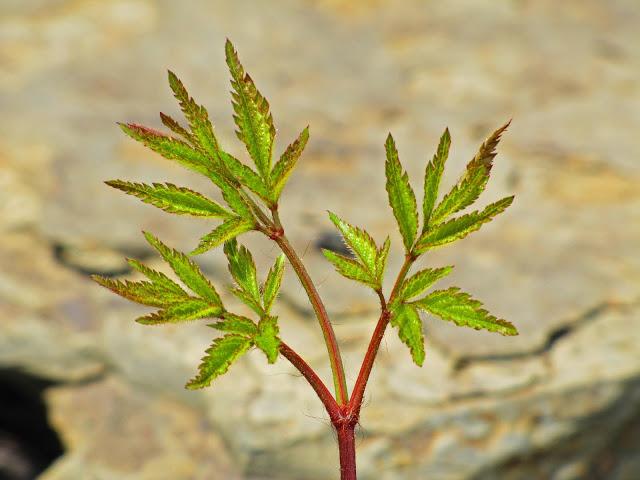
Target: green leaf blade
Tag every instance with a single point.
(252, 115)
(156, 277)
(407, 320)
(144, 293)
(421, 281)
(284, 166)
(219, 357)
(401, 196)
(460, 308)
(243, 269)
(198, 118)
(169, 147)
(381, 260)
(172, 199)
(186, 270)
(245, 175)
(229, 229)
(359, 241)
(433, 176)
(178, 129)
(186, 310)
(272, 283)
(460, 227)
(474, 181)
(236, 324)
(267, 339)
(350, 268)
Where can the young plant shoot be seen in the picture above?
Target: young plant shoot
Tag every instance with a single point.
(251, 196)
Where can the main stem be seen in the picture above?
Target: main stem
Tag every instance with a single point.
(347, 447)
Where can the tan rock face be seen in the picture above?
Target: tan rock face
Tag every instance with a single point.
(562, 263)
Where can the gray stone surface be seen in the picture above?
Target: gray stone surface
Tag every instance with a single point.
(560, 401)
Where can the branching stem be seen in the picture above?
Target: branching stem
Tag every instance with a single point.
(333, 349)
(316, 383)
(374, 345)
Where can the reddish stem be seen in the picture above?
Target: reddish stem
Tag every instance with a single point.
(316, 383)
(355, 402)
(335, 359)
(347, 448)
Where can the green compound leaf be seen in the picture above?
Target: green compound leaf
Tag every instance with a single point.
(422, 280)
(407, 320)
(187, 271)
(188, 309)
(178, 129)
(460, 227)
(284, 166)
(252, 116)
(401, 196)
(267, 339)
(433, 176)
(172, 199)
(351, 269)
(245, 175)
(158, 278)
(219, 357)
(360, 242)
(273, 282)
(243, 270)
(458, 307)
(473, 182)
(144, 293)
(237, 324)
(229, 229)
(170, 148)
(198, 118)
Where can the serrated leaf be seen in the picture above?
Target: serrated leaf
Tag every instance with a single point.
(359, 241)
(285, 165)
(198, 118)
(243, 269)
(237, 324)
(433, 176)
(458, 307)
(219, 357)
(460, 227)
(156, 277)
(401, 196)
(422, 280)
(351, 269)
(245, 175)
(170, 148)
(187, 271)
(267, 339)
(235, 200)
(272, 283)
(186, 310)
(172, 199)
(474, 180)
(252, 116)
(248, 300)
(229, 229)
(178, 129)
(144, 293)
(407, 320)
(381, 260)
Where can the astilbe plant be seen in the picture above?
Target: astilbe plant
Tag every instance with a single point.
(252, 197)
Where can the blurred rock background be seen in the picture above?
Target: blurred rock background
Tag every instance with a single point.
(85, 393)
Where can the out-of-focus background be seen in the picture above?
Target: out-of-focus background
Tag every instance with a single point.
(85, 393)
